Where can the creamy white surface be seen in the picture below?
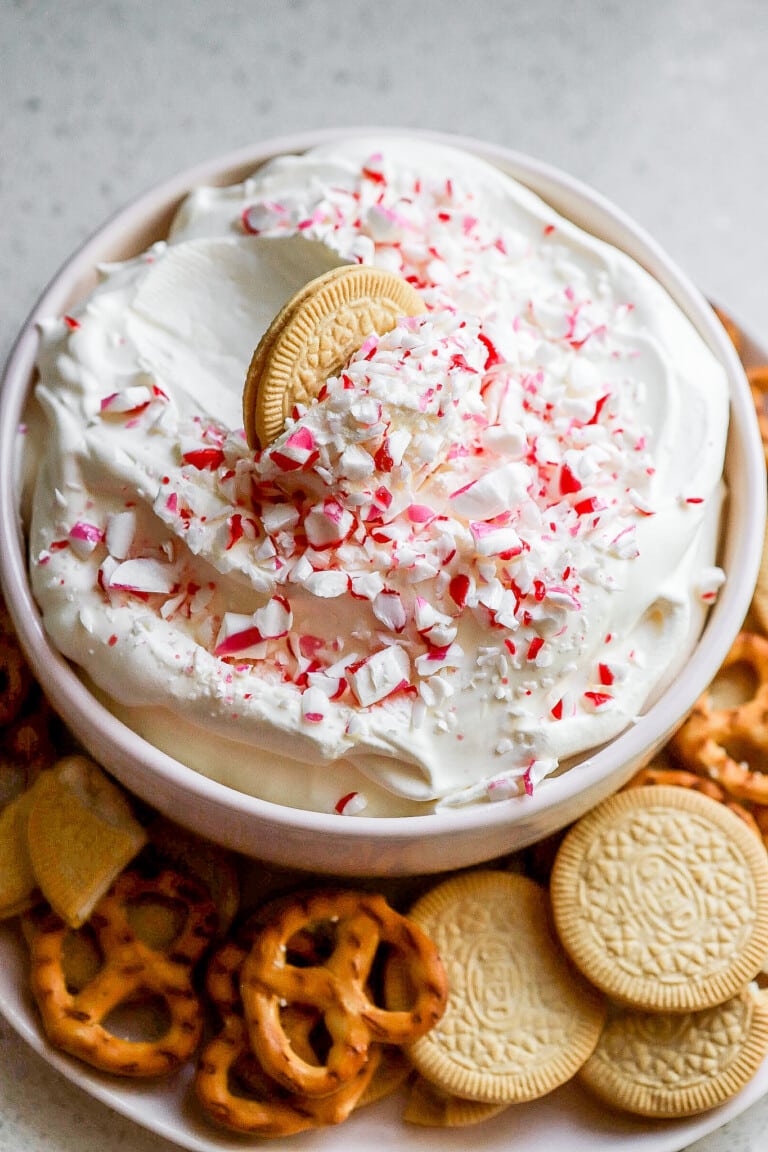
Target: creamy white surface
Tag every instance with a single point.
(184, 319)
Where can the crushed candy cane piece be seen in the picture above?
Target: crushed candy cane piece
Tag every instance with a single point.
(239, 636)
(314, 705)
(131, 399)
(84, 537)
(328, 524)
(494, 493)
(143, 574)
(121, 529)
(495, 540)
(709, 583)
(389, 609)
(327, 584)
(297, 451)
(351, 804)
(274, 619)
(379, 675)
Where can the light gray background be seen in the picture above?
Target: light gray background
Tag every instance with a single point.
(662, 106)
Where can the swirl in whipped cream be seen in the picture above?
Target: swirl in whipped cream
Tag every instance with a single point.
(473, 559)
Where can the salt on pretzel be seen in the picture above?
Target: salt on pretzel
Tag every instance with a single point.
(15, 680)
(337, 987)
(726, 744)
(74, 1020)
(261, 1107)
(679, 778)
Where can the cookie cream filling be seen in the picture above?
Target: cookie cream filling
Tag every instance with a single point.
(470, 562)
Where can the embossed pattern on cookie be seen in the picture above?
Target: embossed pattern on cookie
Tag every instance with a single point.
(520, 1020)
(312, 338)
(660, 897)
(663, 1065)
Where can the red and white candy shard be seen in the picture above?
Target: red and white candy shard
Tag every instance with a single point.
(379, 675)
(711, 580)
(84, 538)
(121, 529)
(244, 635)
(495, 492)
(240, 636)
(351, 804)
(129, 400)
(328, 524)
(314, 705)
(145, 575)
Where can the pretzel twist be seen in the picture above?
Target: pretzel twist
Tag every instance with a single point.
(73, 1021)
(679, 777)
(268, 1109)
(706, 741)
(337, 988)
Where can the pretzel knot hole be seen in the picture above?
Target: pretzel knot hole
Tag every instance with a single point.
(157, 921)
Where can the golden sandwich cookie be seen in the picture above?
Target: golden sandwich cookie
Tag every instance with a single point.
(660, 897)
(520, 1021)
(665, 1066)
(314, 336)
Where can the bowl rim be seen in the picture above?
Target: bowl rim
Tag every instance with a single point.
(80, 708)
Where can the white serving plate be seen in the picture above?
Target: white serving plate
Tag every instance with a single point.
(567, 1119)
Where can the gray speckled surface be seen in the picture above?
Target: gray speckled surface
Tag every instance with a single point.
(660, 105)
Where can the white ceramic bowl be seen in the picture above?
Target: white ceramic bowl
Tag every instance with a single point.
(398, 845)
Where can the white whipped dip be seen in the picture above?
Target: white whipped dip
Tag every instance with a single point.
(472, 560)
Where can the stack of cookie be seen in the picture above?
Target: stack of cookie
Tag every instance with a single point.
(638, 978)
(660, 897)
